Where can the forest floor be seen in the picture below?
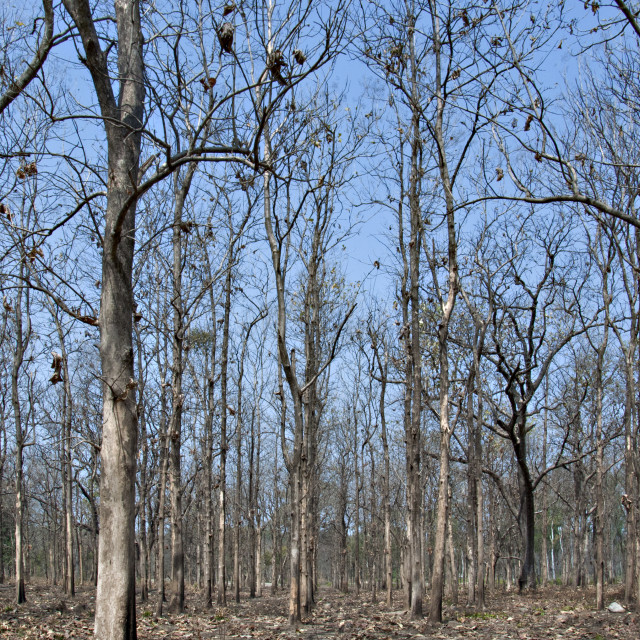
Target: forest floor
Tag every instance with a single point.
(560, 613)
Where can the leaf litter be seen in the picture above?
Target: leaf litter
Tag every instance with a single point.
(550, 613)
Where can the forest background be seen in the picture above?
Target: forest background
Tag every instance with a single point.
(301, 294)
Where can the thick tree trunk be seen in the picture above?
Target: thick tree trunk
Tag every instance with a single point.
(123, 119)
(294, 553)
(527, 577)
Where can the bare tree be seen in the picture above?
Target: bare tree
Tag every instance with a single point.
(12, 83)
(524, 345)
(23, 332)
(61, 373)
(604, 254)
(467, 69)
(381, 362)
(123, 118)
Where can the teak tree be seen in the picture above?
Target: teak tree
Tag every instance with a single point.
(123, 119)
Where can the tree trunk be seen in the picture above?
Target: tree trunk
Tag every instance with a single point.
(629, 481)
(545, 505)
(357, 504)
(452, 560)
(222, 481)
(255, 519)
(275, 528)
(294, 554)
(69, 583)
(258, 560)
(123, 119)
(472, 493)
(144, 489)
(181, 189)
(22, 338)
(479, 520)
(442, 510)
(66, 465)
(414, 437)
(80, 548)
(386, 493)
(209, 408)
(236, 505)
(162, 491)
(527, 577)
(237, 510)
(2, 460)
(287, 363)
(448, 304)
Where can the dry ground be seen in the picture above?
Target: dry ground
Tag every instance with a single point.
(554, 612)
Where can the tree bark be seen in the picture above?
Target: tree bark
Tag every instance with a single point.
(222, 481)
(236, 505)
(386, 492)
(67, 470)
(162, 492)
(181, 189)
(210, 360)
(448, 304)
(123, 118)
(527, 577)
(545, 505)
(22, 338)
(357, 488)
(143, 484)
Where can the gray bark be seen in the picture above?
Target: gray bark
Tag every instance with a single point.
(33, 67)
(122, 118)
(22, 337)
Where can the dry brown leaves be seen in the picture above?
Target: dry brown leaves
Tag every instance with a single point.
(553, 613)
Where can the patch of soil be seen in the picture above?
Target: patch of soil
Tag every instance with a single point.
(551, 613)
